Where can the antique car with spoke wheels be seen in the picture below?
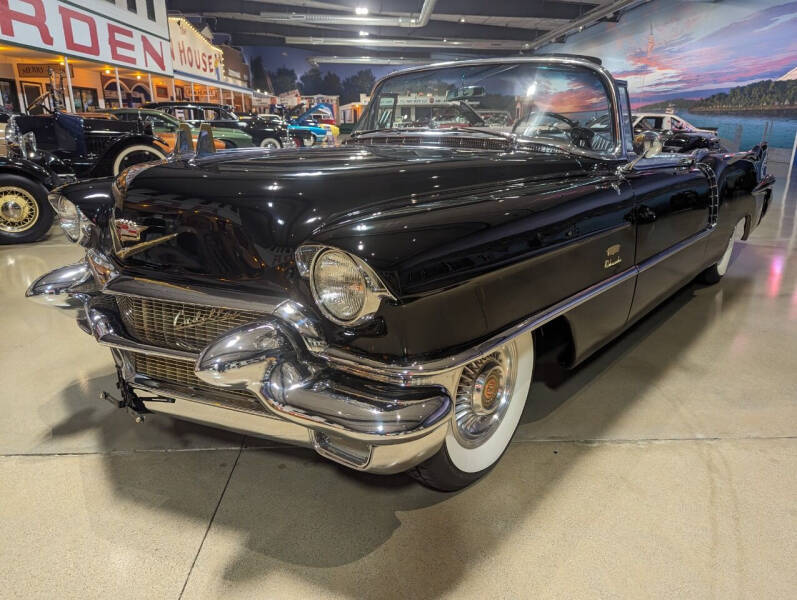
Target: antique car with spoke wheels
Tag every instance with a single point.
(52, 147)
(386, 302)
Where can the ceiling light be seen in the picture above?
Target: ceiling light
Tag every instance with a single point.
(361, 10)
(363, 33)
(445, 40)
(462, 19)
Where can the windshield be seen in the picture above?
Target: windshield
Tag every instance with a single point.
(562, 105)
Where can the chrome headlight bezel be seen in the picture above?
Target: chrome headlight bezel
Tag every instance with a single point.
(307, 258)
(12, 132)
(27, 144)
(75, 225)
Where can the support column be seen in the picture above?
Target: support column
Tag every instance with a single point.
(20, 96)
(193, 99)
(69, 84)
(174, 91)
(118, 86)
(207, 93)
(151, 89)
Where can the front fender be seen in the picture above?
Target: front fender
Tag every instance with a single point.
(94, 198)
(32, 170)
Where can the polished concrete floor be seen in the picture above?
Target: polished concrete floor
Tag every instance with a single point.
(665, 467)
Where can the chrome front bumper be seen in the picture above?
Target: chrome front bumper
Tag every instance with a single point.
(366, 424)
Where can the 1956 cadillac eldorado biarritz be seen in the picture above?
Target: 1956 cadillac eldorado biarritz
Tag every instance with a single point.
(383, 302)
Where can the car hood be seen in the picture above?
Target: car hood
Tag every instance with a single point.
(239, 215)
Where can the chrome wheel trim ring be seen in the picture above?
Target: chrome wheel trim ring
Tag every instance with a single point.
(269, 143)
(484, 392)
(19, 210)
(725, 261)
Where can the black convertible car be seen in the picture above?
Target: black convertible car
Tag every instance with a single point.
(385, 302)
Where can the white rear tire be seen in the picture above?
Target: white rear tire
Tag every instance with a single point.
(121, 160)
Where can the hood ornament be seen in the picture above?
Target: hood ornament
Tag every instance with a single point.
(129, 231)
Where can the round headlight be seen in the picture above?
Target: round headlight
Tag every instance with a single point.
(339, 285)
(68, 216)
(12, 131)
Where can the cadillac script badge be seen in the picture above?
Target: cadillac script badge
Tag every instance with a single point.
(612, 256)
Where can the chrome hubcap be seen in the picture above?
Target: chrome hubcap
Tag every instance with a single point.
(18, 210)
(483, 395)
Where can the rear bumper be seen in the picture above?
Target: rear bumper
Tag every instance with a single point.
(289, 394)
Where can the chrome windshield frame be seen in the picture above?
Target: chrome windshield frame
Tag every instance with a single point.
(618, 152)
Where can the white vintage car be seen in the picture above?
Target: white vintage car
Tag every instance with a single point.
(666, 122)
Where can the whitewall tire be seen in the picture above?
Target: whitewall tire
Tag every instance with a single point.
(135, 154)
(270, 143)
(717, 271)
(491, 395)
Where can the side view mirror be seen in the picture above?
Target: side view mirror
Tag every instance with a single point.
(646, 145)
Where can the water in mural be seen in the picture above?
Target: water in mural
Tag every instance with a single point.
(720, 65)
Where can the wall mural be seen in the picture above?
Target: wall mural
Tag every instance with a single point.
(718, 64)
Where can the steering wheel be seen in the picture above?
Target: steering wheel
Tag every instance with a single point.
(556, 116)
(38, 106)
(581, 137)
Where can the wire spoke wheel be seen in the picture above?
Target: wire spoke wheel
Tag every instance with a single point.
(483, 394)
(18, 209)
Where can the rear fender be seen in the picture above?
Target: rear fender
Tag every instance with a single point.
(104, 165)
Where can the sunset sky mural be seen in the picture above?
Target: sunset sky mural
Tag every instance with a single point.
(685, 49)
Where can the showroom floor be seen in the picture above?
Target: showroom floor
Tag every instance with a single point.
(664, 467)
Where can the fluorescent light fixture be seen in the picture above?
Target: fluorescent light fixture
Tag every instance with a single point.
(361, 10)
(363, 33)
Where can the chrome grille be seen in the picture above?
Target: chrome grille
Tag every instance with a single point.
(96, 143)
(181, 373)
(177, 325)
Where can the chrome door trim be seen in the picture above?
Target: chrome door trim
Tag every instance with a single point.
(410, 372)
(654, 260)
(414, 372)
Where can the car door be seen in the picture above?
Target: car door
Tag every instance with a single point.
(675, 206)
